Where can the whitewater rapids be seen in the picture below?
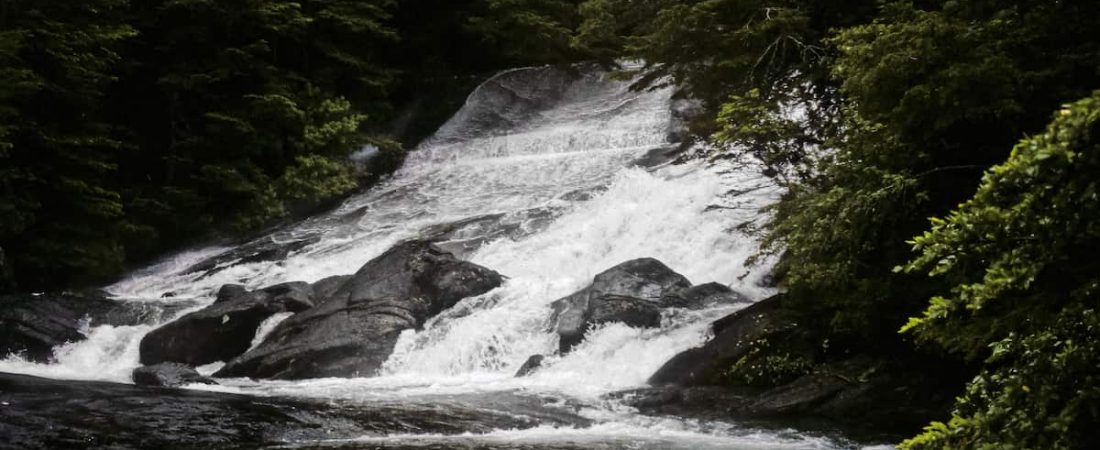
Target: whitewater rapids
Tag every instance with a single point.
(550, 158)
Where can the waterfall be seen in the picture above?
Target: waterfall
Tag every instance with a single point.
(547, 176)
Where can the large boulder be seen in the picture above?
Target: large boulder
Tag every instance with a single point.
(224, 329)
(32, 325)
(704, 295)
(859, 394)
(353, 332)
(326, 287)
(734, 338)
(168, 375)
(629, 293)
(790, 377)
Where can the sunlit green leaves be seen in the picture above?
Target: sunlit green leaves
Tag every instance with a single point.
(1023, 252)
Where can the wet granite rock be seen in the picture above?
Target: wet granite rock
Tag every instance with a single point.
(324, 288)
(530, 366)
(229, 292)
(630, 293)
(274, 247)
(224, 329)
(704, 295)
(353, 332)
(168, 375)
(734, 337)
(39, 413)
(859, 391)
(33, 324)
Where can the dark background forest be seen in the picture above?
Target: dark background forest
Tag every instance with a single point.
(940, 156)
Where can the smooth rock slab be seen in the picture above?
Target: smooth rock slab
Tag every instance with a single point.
(39, 413)
(352, 333)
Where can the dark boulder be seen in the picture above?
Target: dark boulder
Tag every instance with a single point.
(532, 364)
(704, 295)
(856, 390)
(734, 338)
(629, 310)
(324, 288)
(32, 325)
(630, 293)
(224, 329)
(168, 375)
(352, 333)
(643, 278)
(229, 292)
(859, 395)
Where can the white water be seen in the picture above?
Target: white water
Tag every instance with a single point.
(527, 164)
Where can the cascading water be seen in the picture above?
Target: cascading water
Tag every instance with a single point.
(536, 178)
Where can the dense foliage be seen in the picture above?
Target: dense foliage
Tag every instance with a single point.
(877, 115)
(1021, 255)
(130, 127)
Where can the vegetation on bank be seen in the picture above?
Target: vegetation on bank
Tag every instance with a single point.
(878, 115)
(131, 127)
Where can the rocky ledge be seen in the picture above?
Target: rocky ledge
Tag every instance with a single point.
(38, 413)
(758, 366)
(33, 325)
(343, 326)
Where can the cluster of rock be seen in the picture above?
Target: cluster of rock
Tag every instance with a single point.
(862, 392)
(633, 293)
(343, 326)
(347, 326)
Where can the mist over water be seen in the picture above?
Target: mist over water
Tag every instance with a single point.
(540, 164)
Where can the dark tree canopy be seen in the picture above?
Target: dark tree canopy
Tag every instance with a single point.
(131, 127)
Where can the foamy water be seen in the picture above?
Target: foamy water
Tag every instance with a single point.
(557, 164)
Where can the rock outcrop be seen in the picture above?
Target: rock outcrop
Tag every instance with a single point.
(630, 293)
(326, 287)
(168, 375)
(32, 325)
(734, 338)
(38, 413)
(858, 391)
(224, 329)
(704, 295)
(353, 332)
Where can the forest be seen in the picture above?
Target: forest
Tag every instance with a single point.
(939, 157)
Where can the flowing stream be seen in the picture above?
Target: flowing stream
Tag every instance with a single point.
(548, 177)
